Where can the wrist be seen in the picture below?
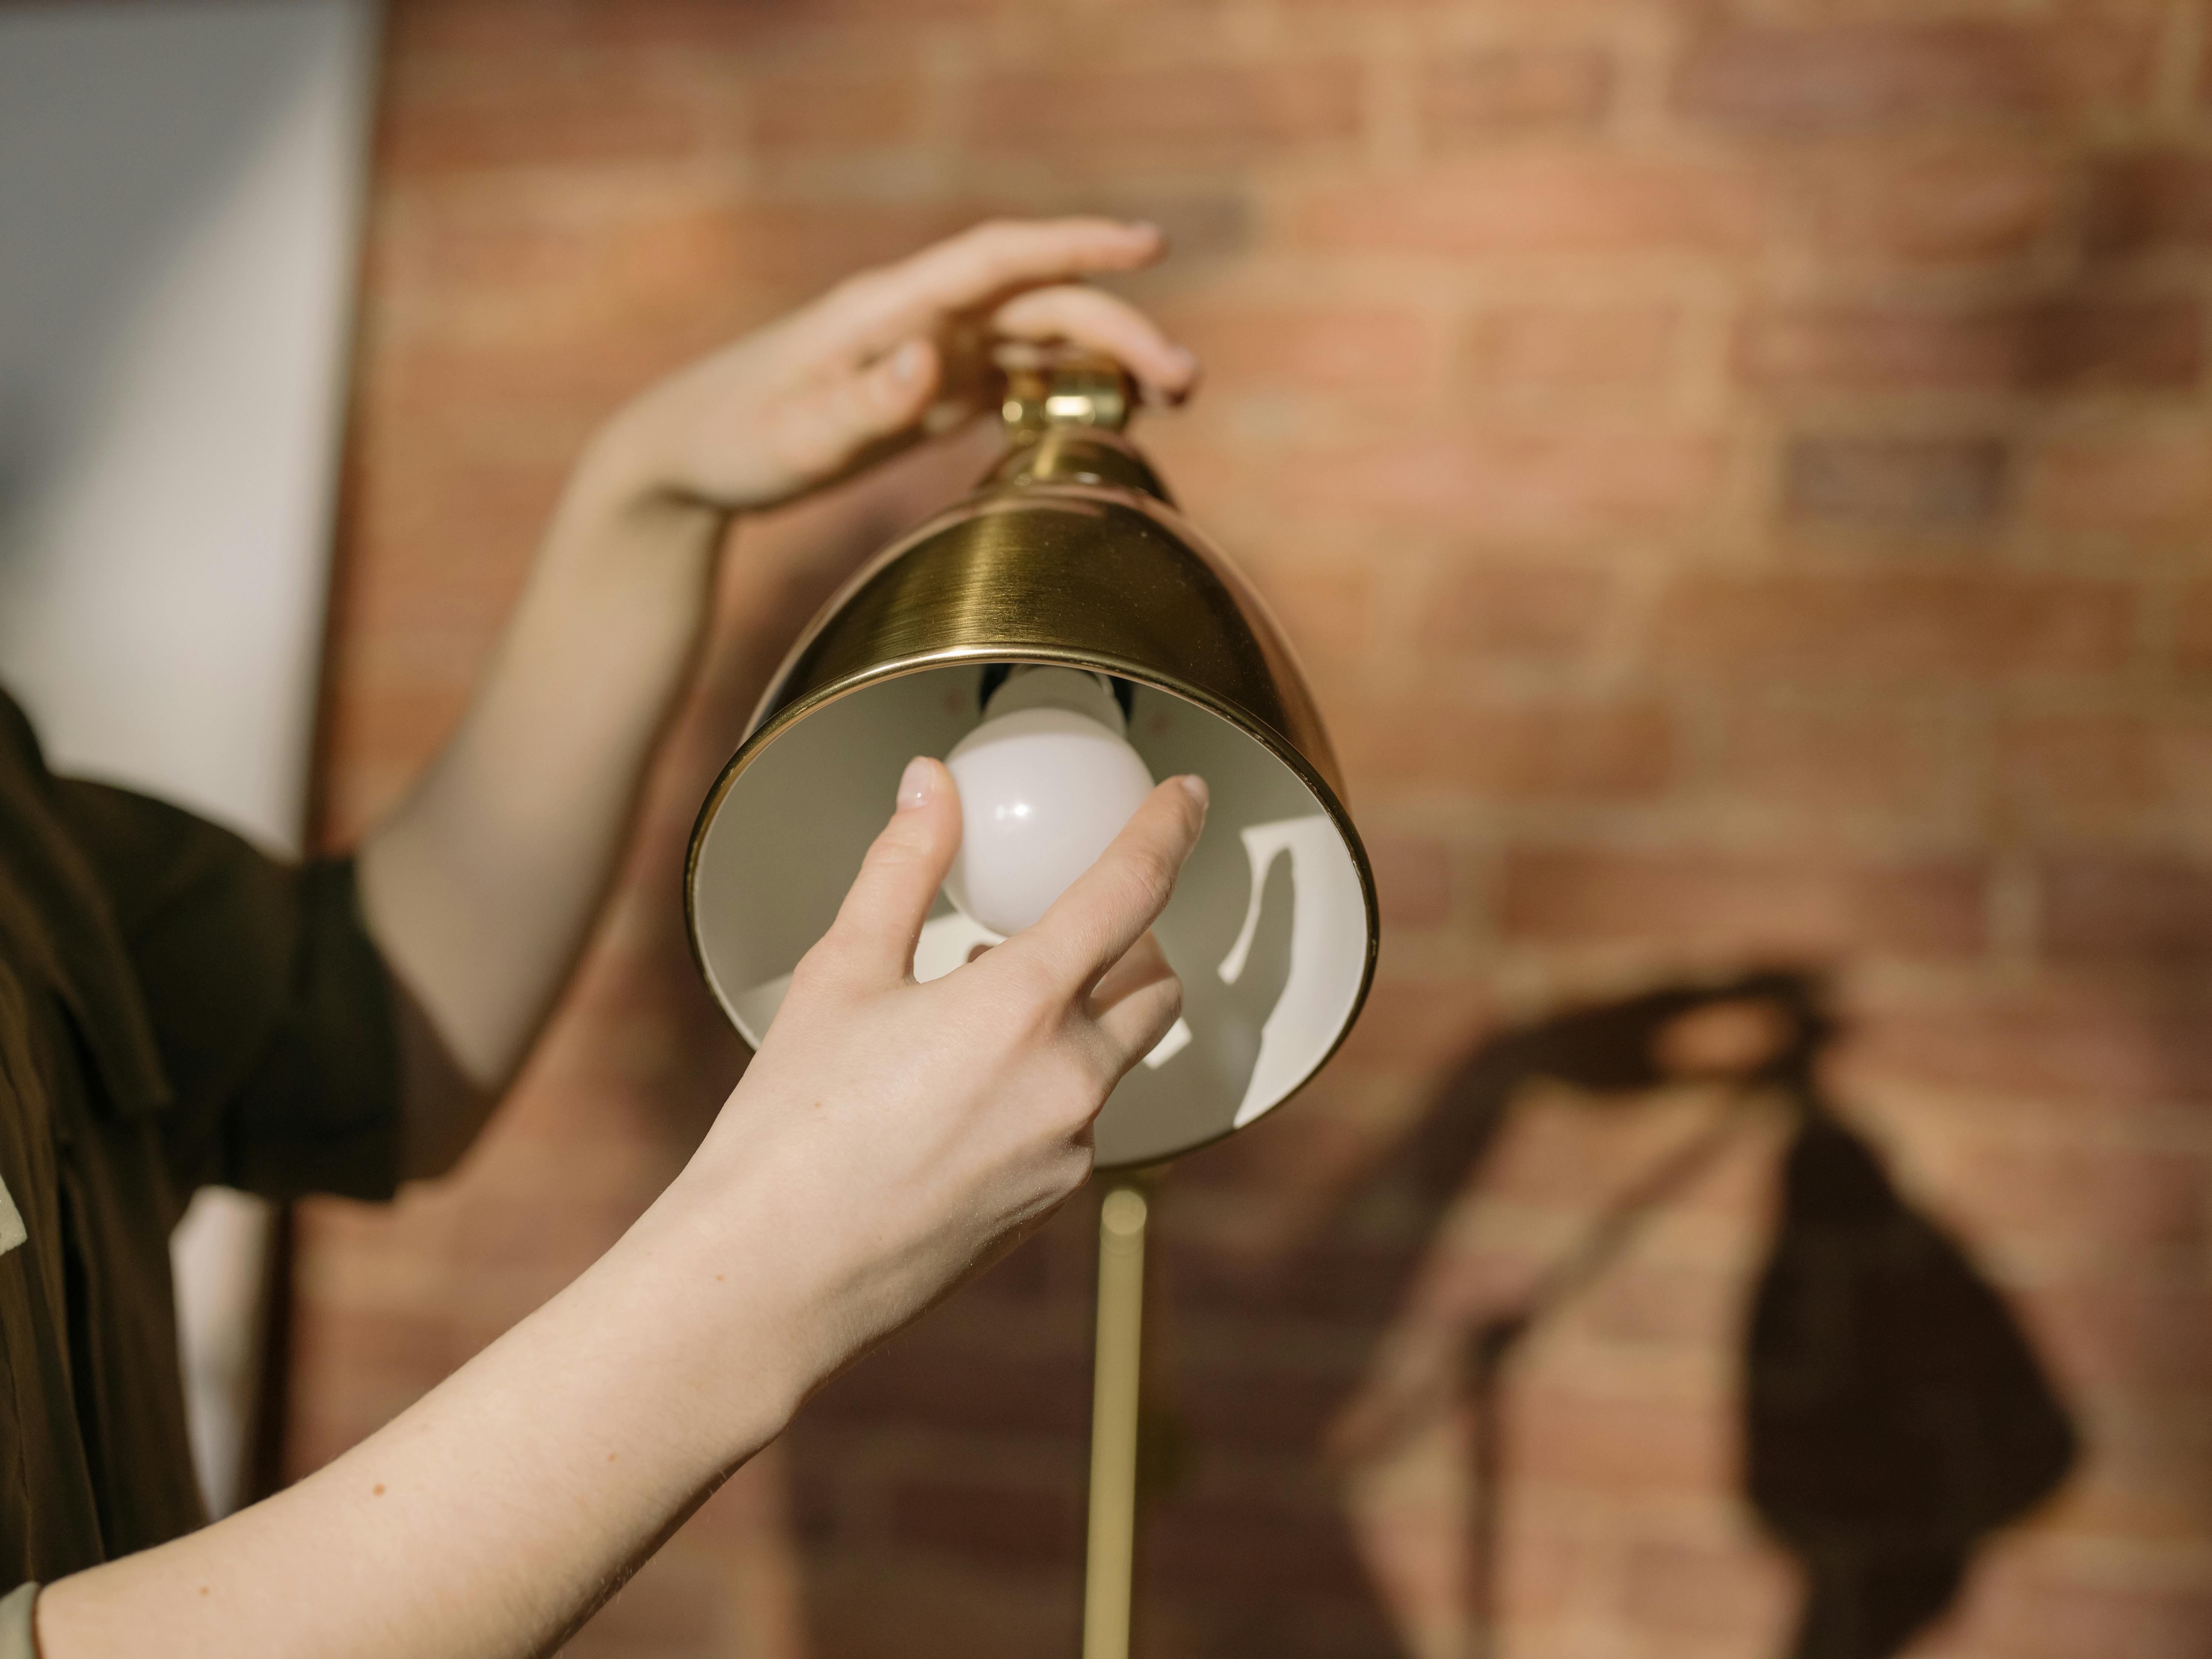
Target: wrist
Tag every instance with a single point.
(723, 1309)
(623, 501)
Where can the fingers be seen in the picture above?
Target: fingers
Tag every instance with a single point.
(872, 940)
(1137, 1001)
(1093, 318)
(993, 258)
(831, 423)
(1095, 922)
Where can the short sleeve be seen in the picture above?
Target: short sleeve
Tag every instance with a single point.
(270, 1007)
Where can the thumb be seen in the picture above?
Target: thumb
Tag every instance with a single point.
(835, 420)
(898, 388)
(877, 926)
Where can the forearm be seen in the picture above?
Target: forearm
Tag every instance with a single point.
(892, 1138)
(491, 1517)
(481, 886)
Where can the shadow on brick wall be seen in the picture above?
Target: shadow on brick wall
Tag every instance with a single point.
(1893, 1414)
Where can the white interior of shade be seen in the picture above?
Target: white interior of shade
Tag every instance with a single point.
(1268, 929)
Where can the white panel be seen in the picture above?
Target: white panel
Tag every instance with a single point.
(180, 186)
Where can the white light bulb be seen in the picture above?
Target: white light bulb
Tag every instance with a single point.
(1045, 785)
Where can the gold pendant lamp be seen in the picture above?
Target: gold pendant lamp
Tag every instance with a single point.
(1069, 556)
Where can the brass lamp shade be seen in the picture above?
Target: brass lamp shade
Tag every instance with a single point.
(1069, 554)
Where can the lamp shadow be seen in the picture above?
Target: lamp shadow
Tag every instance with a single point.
(1893, 1413)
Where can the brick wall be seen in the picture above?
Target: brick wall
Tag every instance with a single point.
(1737, 476)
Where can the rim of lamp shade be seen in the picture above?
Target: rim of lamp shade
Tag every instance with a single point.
(822, 668)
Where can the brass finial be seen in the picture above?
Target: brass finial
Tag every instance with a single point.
(1049, 387)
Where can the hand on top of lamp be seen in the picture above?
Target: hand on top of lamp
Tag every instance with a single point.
(480, 888)
(882, 359)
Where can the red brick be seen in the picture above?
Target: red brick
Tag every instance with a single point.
(1868, 76)
(2114, 907)
(451, 393)
(1894, 627)
(686, 256)
(1544, 204)
(1940, 484)
(546, 122)
(2103, 775)
(1681, 1309)
(1575, 1161)
(1511, 485)
(1216, 1549)
(1533, 610)
(1816, 347)
(997, 1525)
(2051, 1617)
(2132, 1333)
(2132, 344)
(1200, 224)
(397, 1349)
(1573, 346)
(924, 1382)
(2144, 344)
(1603, 752)
(421, 37)
(2155, 482)
(1749, 904)
(807, 246)
(1473, 97)
(873, 1601)
(2068, 771)
(1326, 611)
(676, 1605)
(1849, 763)
(513, 275)
(1220, 110)
(2098, 1041)
(1942, 207)
(2130, 1204)
(855, 110)
(1411, 1025)
(1745, 1596)
(2150, 202)
(2193, 629)
(698, 26)
(1558, 1436)
(1412, 878)
(1389, 351)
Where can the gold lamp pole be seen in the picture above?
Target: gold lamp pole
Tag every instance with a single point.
(1116, 1388)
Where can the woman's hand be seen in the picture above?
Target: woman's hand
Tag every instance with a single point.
(882, 357)
(481, 887)
(901, 1136)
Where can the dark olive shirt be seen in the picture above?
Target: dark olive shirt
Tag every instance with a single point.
(176, 1009)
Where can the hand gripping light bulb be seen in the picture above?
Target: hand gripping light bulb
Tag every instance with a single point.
(1046, 782)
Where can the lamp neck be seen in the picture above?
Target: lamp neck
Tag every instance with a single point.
(1047, 390)
(1064, 414)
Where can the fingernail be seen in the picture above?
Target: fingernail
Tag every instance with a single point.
(916, 784)
(905, 363)
(1145, 228)
(1194, 787)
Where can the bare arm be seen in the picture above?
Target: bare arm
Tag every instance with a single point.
(890, 1137)
(480, 887)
